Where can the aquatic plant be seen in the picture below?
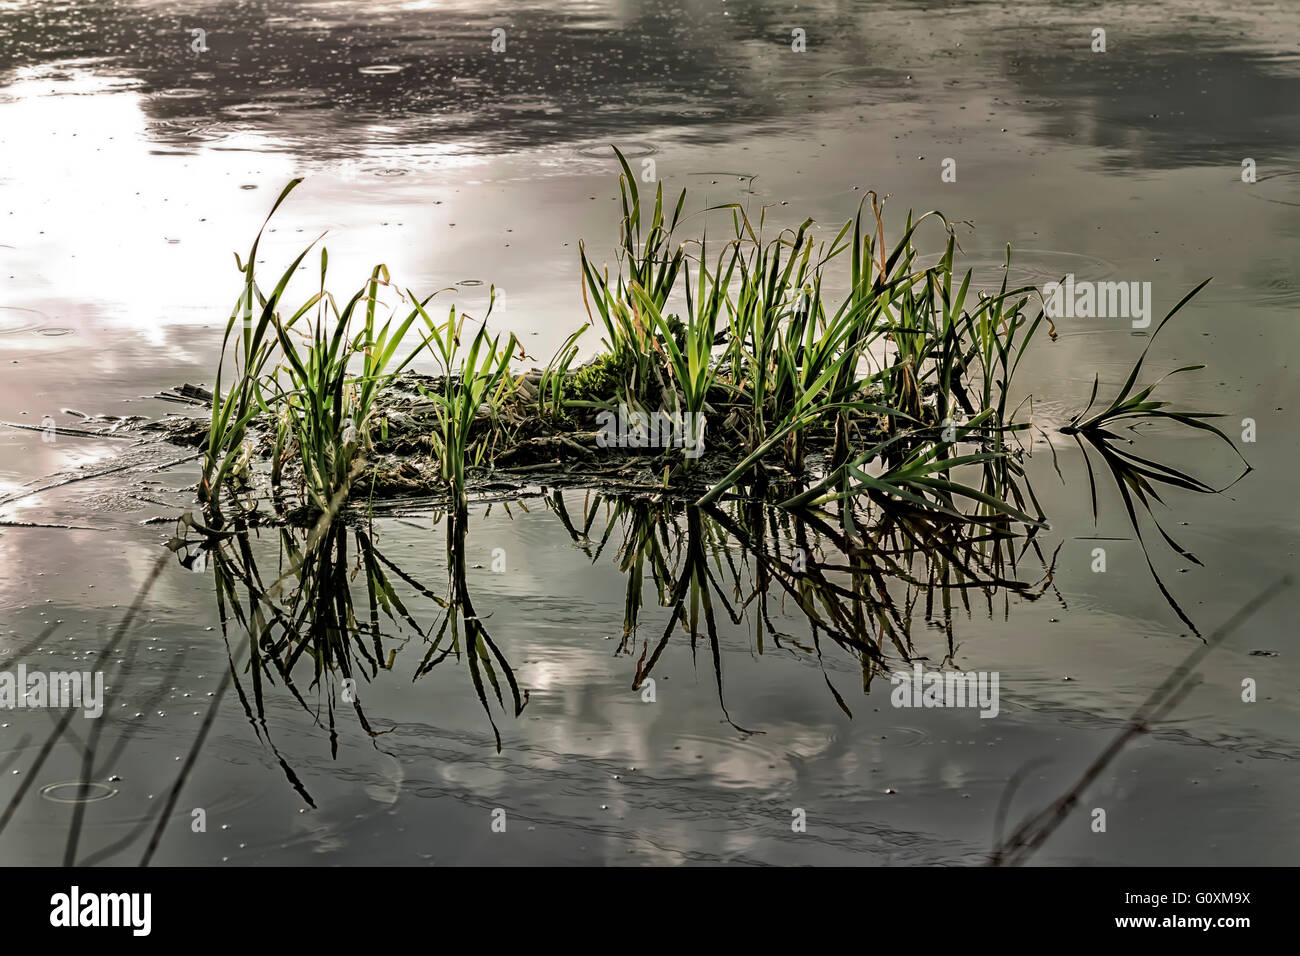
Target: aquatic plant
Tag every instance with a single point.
(306, 383)
(252, 344)
(551, 385)
(474, 384)
(897, 392)
(323, 411)
(1139, 479)
(647, 263)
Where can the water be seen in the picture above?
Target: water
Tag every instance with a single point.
(134, 165)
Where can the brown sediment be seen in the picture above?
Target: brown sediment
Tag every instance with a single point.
(524, 448)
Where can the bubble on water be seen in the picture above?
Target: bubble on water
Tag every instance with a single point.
(1034, 267)
(181, 131)
(381, 69)
(633, 150)
(75, 791)
(905, 736)
(14, 319)
(250, 109)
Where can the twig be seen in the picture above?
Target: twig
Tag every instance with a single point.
(1031, 834)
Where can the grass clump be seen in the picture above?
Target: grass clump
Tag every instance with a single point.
(477, 383)
(882, 415)
(896, 388)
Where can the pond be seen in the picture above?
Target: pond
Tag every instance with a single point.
(665, 683)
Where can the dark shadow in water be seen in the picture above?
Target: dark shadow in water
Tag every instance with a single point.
(856, 579)
(330, 608)
(459, 615)
(333, 609)
(1185, 100)
(90, 747)
(308, 621)
(858, 584)
(1034, 831)
(323, 77)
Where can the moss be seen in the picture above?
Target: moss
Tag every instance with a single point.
(598, 381)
